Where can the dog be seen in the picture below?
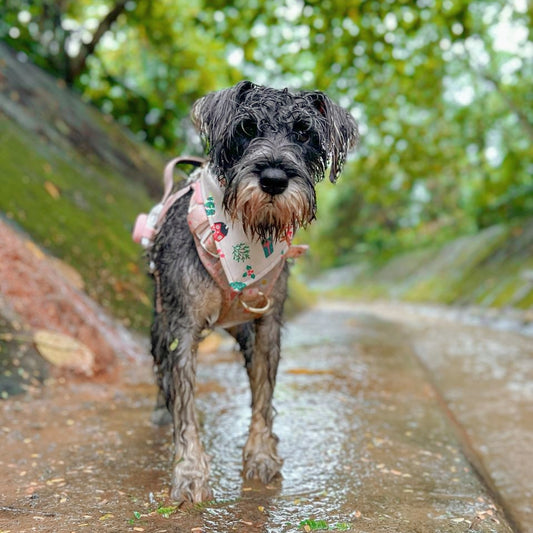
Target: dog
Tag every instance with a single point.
(266, 149)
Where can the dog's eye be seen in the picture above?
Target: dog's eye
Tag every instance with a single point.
(249, 128)
(301, 131)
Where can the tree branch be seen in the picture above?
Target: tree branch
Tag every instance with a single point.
(78, 63)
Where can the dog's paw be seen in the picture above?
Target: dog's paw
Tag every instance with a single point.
(262, 461)
(264, 468)
(190, 481)
(192, 490)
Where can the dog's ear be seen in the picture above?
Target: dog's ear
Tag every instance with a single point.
(213, 114)
(341, 131)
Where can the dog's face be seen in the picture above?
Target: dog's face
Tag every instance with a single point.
(269, 147)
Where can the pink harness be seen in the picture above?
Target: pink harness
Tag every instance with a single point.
(237, 306)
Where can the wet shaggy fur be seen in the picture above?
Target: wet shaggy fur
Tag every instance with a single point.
(268, 148)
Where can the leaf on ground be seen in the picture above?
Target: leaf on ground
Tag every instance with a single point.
(165, 512)
(322, 525)
(309, 371)
(35, 250)
(314, 525)
(70, 273)
(211, 343)
(64, 351)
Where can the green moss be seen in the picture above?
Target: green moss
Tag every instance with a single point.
(364, 291)
(81, 213)
(527, 301)
(405, 265)
(433, 289)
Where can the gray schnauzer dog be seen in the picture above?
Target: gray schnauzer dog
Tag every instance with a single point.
(267, 149)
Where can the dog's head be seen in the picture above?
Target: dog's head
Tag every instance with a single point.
(269, 147)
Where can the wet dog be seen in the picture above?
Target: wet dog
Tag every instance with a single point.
(266, 150)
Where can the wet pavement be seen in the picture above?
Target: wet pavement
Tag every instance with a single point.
(485, 381)
(372, 434)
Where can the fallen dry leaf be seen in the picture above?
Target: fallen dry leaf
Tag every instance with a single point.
(35, 250)
(68, 272)
(309, 371)
(64, 351)
(210, 343)
(52, 189)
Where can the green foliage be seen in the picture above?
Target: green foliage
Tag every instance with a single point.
(322, 525)
(167, 511)
(441, 89)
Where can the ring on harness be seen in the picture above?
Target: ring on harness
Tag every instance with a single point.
(257, 310)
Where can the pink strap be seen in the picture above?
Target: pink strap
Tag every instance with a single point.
(168, 173)
(168, 179)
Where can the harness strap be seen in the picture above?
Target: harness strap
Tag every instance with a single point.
(168, 179)
(147, 224)
(237, 306)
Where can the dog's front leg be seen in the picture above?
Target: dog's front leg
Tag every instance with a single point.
(260, 455)
(191, 467)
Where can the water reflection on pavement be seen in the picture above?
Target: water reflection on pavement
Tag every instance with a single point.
(367, 446)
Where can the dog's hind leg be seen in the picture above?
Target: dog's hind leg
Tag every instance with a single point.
(260, 457)
(161, 416)
(244, 335)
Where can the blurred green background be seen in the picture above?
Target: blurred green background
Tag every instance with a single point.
(442, 91)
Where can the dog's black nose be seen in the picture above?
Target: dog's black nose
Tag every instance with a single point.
(273, 181)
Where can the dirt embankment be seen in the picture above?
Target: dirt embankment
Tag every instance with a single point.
(41, 293)
(72, 182)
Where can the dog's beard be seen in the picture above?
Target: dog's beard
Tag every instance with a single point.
(265, 216)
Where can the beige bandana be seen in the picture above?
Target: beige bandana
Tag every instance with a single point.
(244, 261)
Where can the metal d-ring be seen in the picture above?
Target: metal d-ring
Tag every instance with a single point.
(203, 243)
(257, 310)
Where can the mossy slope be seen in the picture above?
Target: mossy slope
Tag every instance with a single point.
(75, 181)
(493, 268)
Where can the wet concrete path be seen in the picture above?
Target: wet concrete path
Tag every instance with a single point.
(373, 441)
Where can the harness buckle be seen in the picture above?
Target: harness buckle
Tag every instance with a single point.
(146, 226)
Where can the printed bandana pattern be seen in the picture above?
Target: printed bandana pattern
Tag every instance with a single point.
(244, 261)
